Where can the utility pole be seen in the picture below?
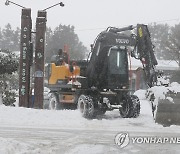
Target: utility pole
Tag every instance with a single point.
(39, 59)
(39, 56)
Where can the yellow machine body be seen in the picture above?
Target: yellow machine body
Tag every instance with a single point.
(62, 72)
(62, 80)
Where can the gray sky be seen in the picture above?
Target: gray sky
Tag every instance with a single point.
(90, 17)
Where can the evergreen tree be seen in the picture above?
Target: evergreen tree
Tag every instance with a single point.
(173, 43)
(16, 39)
(167, 41)
(10, 39)
(61, 36)
(168, 45)
(48, 52)
(7, 35)
(159, 35)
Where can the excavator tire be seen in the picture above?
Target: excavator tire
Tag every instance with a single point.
(168, 113)
(54, 103)
(131, 107)
(86, 106)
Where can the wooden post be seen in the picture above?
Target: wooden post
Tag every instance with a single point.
(24, 68)
(39, 59)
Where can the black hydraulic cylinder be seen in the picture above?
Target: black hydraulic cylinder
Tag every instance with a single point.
(116, 30)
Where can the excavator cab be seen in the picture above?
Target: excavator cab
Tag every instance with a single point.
(113, 73)
(117, 68)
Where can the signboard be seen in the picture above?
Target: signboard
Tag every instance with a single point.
(24, 68)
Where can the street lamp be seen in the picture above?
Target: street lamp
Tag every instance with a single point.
(8, 3)
(61, 4)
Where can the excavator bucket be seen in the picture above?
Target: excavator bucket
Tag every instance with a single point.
(168, 110)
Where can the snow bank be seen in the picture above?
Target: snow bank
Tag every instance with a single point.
(24, 117)
(72, 120)
(90, 149)
(175, 87)
(27, 117)
(11, 146)
(39, 118)
(140, 94)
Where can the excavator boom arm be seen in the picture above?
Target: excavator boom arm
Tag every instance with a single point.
(146, 53)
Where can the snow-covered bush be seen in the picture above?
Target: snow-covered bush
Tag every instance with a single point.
(8, 98)
(154, 94)
(8, 76)
(8, 62)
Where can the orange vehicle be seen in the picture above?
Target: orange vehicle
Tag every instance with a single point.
(62, 82)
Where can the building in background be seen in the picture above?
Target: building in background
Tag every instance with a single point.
(137, 80)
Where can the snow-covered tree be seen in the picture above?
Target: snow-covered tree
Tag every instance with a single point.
(167, 44)
(160, 35)
(173, 43)
(8, 76)
(166, 40)
(9, 38)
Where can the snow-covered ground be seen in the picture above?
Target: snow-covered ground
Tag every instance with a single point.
(34, 131)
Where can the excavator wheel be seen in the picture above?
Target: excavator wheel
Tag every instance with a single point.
(130, 107)
(86, 106)
(54, 103)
